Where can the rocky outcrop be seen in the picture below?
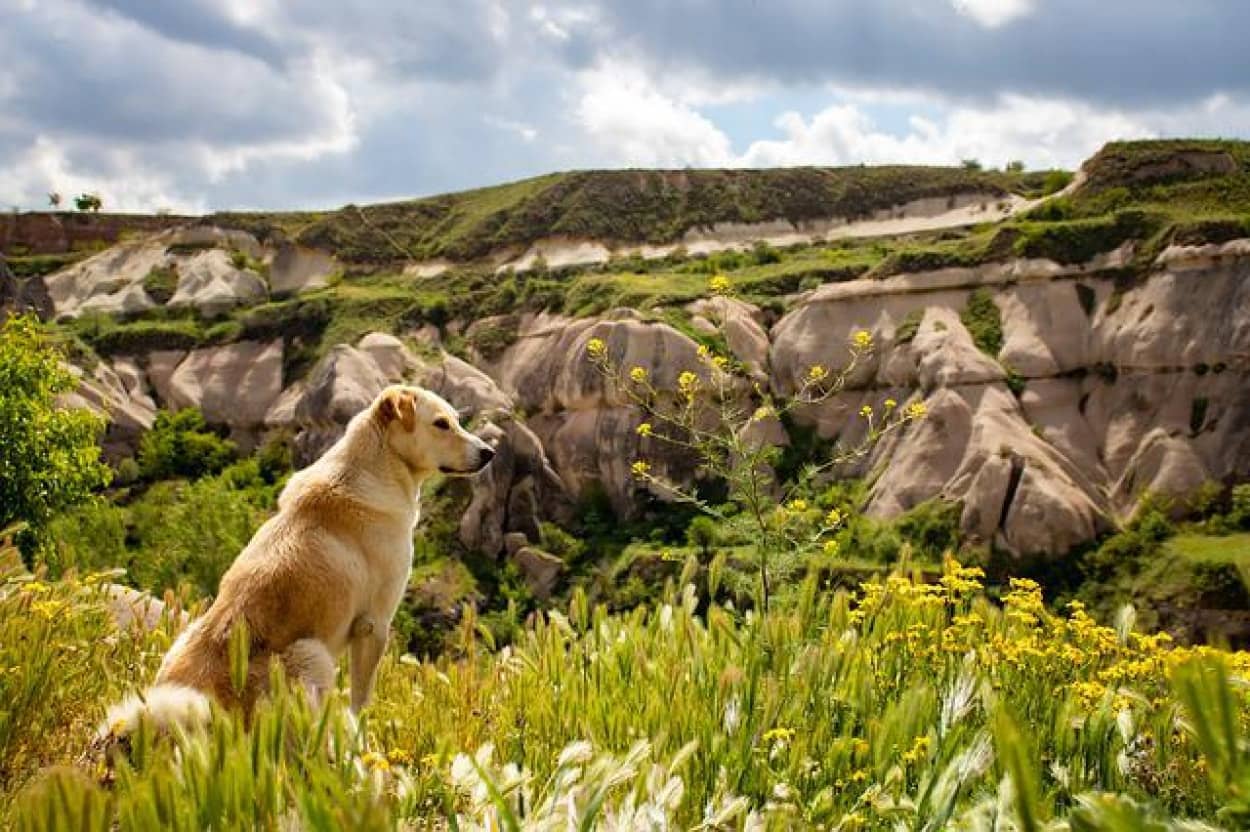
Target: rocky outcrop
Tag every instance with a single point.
(122, 400)
(232, 385)
(1126, 391)
(298, 269)
(201, 258)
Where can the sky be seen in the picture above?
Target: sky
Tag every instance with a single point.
(198, 105)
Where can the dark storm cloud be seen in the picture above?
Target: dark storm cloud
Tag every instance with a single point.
(1130, 53)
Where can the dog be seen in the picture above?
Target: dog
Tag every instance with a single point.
(322, 577)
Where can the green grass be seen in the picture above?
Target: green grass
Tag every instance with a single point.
(1202, 548)
(899, 706)
(625, 206)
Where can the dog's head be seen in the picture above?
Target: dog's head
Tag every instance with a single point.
(425, 432)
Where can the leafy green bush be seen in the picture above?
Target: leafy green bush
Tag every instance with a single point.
(49, 459)
(1055, 181)
(983, 321)
(180, 445)
(932, 528)
(161, 283)
(703, 534)
(560, 543)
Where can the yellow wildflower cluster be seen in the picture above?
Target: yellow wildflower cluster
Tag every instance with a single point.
(720, 285)
(688, 384)
(640, 468)
(596, 349)
(862, 340)
(638, 375)
(816, 374)
(645, 429)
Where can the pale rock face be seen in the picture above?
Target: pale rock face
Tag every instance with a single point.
(389, 353)
(112, 281)
(128, 411)
(740, 323)
(540, 570)
(232, 385)
(209, 282)
(298, 269)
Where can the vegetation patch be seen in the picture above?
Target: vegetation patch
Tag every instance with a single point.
(983, 321)
(161, 283)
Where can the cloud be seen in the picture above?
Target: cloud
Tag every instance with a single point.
(1041, 132)
(623, 113)
(263, 103)
(993, 13)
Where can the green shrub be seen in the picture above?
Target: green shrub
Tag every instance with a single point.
(983, 321)
(180, 445)
(932, 528)
(703, 534)
(49, 459)
(161, 283)
(560, 543)
(1055, 181)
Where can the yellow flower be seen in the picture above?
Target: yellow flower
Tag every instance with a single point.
(783, 735)
(644, 429)
(831, 547)
(866, 412)
(862, 339)
(375, 761)
(833, 518)
(703, 352)
(720, 285)
(687, 383)
(860, 747)
(798, 505)
(816, 373)
(640, 468)
(720, 362)
(890, 404)
(761, 413)
(399, 757)
(596, 348)
(917, 410)
(638, 375)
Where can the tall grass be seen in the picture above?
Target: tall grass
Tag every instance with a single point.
(901, 706)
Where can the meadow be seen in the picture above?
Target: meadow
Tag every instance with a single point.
(902, 705)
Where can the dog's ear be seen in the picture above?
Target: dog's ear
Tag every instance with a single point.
(398, 405)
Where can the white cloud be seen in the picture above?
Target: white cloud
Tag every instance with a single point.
(130, 185)
(1041, 132)
(635, 124)
(993, 13)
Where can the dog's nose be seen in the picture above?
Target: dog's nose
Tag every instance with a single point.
(486, 454)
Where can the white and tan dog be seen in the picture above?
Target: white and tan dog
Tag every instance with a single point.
(325, 575)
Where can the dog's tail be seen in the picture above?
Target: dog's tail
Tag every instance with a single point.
(162, 707)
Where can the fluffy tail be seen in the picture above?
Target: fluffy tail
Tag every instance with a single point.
(162, 707)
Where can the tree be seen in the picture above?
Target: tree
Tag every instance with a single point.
(49, 459)
(88, 202)
(1015, 166)
(54, 201)
(973, 165)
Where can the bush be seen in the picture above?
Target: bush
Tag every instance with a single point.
(179, 445)
(49, 459)
(703, 534)
(1055, 181)
(983, 321)
(560, 543)
(161, 283)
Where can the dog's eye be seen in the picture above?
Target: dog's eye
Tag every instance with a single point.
(442, 424)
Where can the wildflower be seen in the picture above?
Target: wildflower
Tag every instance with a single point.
(638, 375)
(798, 505)
(830, 547)
(862, 339)
(703, 352)
(687, 383)
(782, 735)
(833, 518)
(860, 747)
(917, 410)
(641, 468)
(720, 285)
(399, 757)
(890, 404)
(596, 348)
(375, 761)
(866, 412)
(761, 413)
(644, 429)
(816, 373)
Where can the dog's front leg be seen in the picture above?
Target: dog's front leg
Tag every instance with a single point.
(368, 642)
